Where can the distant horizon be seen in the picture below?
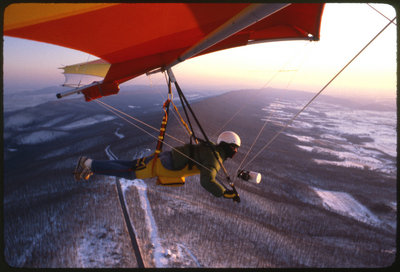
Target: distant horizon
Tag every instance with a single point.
(351, 94)
(201, 88)
(189, 88)
(388, 101)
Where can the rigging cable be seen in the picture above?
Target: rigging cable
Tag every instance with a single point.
(183, 99)
(184, 102)
(315, 96)
(80, 80)
(263, 87)
(380, 13)
(252, 145)
(83, 72)
(270, 116)
(300, 65)
(105, 105)
(115, 112)
(176, 112)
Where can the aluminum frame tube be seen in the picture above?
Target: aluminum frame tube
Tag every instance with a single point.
(245, 18)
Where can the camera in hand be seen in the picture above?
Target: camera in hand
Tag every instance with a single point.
(249, 176)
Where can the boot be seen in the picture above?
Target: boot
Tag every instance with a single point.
(81, 170)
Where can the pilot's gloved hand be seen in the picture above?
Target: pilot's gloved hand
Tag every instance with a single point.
(232, 194)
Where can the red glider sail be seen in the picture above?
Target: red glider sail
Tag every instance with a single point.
(137, 38)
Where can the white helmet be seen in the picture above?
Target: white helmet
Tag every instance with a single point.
(229, 137)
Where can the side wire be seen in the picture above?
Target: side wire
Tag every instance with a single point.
(255, 140)
(287, 62)
(315, 96)
(115, 112)
(137, 120)
(380, 13)
(163, 97)
(270, 115)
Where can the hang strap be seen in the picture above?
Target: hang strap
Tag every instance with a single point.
(163, 127)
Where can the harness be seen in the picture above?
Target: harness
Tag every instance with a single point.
(191, 164)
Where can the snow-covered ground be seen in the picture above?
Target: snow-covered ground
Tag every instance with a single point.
(53, 122)
(33, 241)
(99, 244)
(18, 121)
(358, 138)
(51, 131)
(163, 257)
(119, 135)
(164, 254)
(345, 204)
(159, 253)
(40, 136)
(88, 121)
(98, 248)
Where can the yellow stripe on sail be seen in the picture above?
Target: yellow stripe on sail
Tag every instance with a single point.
(26, 14)
(94, 68)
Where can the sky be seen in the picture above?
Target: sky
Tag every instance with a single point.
(297, 65)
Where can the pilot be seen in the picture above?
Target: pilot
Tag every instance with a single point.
(171, 167)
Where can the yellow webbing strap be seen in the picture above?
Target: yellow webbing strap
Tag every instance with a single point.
(162, 132)
(183, 121)
(163, 127)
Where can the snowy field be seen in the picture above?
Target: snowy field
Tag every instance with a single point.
(357, 138)
(327, 197)
(345, 204)
(162, 257)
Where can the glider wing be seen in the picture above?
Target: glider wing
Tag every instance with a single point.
(132, 39)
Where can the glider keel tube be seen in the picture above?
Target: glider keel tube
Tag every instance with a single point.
(246, 18)
(94, 90)
(76, 90)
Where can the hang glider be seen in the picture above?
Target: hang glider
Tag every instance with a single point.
(133, 39)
